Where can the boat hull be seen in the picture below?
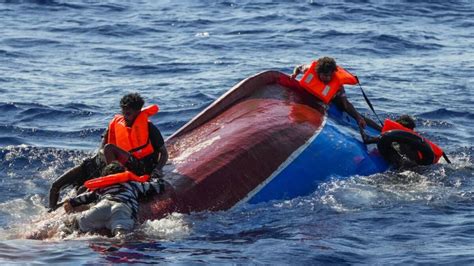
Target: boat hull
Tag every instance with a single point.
(265, 139)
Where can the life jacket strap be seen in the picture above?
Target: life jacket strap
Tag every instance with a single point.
(140, 147)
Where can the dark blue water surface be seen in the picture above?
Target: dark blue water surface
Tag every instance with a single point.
(65, 64)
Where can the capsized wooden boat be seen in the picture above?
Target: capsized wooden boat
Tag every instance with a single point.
(265, 139)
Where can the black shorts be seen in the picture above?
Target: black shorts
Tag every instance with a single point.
(92, 167)
(142, 166)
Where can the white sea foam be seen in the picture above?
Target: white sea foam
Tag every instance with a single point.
(173, 226)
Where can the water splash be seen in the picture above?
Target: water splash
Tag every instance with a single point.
(174, 226)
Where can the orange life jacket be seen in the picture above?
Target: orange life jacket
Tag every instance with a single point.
(392, 125)
(325, 92)
(133, 139)
(109, 180)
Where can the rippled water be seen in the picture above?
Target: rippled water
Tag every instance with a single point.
(65, 65)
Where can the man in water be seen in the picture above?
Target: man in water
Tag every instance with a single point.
(130, 139)
(403, 156)
(116, 205)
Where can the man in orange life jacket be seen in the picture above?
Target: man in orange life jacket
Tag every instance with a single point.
(130, 139)
(404, 155)
(405, 151)
(324, 79)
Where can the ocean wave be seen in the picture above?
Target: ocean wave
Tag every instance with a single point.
(38, 155)
(27, 42)
(7, 141)
(336, 34)
(111, 7)
(8, 107)
(55, 5)
(32, 131)
(80, 107)
(26, 112)
(178, 68)
(444, 113)
(70, 62)
(33, 167)
(398, 44)
(83, 139)
(35, 114)
(48, 3)
(465, 24)
(249, 32)
(11, 54)
(114, 30)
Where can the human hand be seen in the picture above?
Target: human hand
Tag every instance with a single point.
(361, 122)
(293, 76)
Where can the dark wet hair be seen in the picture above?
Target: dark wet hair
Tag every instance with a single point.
(406, 121)
(326, 65)
(113, 168)
(133, 101)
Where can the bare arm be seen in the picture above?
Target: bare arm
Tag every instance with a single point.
(63, 181)
(299, 69)
(342, 101)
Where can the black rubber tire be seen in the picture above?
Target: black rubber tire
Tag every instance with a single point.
(415, 142)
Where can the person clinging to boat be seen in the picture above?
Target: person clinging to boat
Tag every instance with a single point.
(131, 139)
(402, 146)
(324, 79)
(403, 120)
(115, 203)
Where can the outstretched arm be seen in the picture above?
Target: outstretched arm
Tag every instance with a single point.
(342, 101)
(299, 69)
(63, 181)
(368, 139)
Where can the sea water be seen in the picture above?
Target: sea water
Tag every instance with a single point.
(64, 66)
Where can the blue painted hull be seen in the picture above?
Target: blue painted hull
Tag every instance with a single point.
(265, 139)
(335, 151)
